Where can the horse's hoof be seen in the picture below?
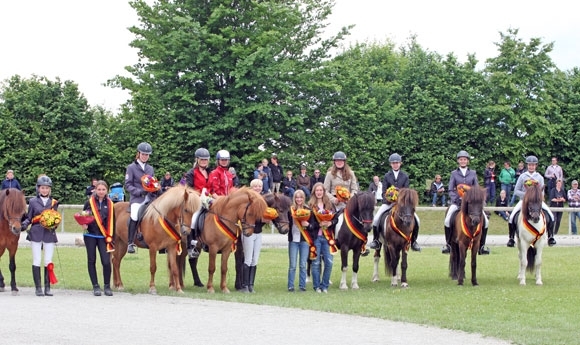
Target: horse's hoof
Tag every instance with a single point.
(375, 279)
(343, 287)
(394, 285)
(212, 291)
(180, 291)
(475, 283)
(198, 284)
(355, 287)
(153, 291)
(15, 292)
(522, 283)
(1, 289)
(404, 285)
(226, 290)
(539, 283)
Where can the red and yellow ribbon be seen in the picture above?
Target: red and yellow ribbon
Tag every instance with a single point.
(394, 226)
(304, 234)
(355, 231)
(107, 229)
(466, 232)
(226, 231)
(537, 233)
(171, 232)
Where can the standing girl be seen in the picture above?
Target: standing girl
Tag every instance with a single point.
(99, 235)
(319, 202)
(300, 240)
(41, 238)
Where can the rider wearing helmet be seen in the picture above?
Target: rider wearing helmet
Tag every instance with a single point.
(520, 190)
(339, 174)
(462, 175)
(399, 179)
(41, 238)
(133, 185)
(220, 179)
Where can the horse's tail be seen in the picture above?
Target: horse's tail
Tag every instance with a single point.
(388, 260)
(454, 261)
(531, 259)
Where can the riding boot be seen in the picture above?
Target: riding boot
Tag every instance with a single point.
(46, 283)
(551, 239)
(108, 291)
(245, 279)
(375, 244)
(96, 290)
(195, 274)
(131, 237)
(512, 234)
(252, 278)
(446, 249)
(483, 250)
(414, 245)
(192, 249)
(36, 277)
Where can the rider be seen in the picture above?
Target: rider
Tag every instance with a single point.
(197, 178)
(340, 174)
(221, 179)
(399, 179)
(462, 175)
(133, 185)
(519, 190)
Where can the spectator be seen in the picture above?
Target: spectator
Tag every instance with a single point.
(519, 171)
(91, 188)
(376, 187)
(167, 182)
(259, 174)
(235, 176)
(277, 173)
(267, 182)
(557, 199)
(438, 191)
(507, 177)
(502, 201)
(289, 184)
(552, 174)
(489, 179)
(574, 201)
(303, 181)
(316, 178)
(10, 181)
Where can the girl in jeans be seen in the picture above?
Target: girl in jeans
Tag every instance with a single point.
(300, 238)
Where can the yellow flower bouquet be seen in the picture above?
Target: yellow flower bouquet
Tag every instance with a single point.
(301, 214)
(270, 213)
(342, 193)
(531, 182)
(392, 194)
(50, 219)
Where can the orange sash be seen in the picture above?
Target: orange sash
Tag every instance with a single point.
(305, 234)
(356, 232)
(171, 232)
(226, 231)
(465, 230)
(108, 229)
(533, 230)
(399, 231)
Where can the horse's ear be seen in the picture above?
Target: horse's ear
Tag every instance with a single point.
(185, 194)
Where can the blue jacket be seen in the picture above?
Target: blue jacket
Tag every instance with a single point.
(11, 184)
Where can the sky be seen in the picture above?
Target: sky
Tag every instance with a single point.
(88, 41)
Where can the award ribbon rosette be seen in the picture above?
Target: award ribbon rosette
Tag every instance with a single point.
(342, 193)
(106, 228)
(326, 216)
(301, 215)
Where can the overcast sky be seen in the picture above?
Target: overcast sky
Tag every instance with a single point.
(87, 41)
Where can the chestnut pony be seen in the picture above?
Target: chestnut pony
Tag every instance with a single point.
(12, 208)
(164, 222)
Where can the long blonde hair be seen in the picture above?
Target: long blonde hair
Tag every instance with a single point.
(313, 202)
(298, 192)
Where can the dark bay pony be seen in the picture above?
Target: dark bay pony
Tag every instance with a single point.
(227, 217)
(398, 228)
(164, 222)
(12, 208)
(532, 235)
(282, 205)
(357, 220)
(467, 226)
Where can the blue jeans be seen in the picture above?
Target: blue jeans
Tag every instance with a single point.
(513, 200)
(306, 191)
(323, 250)
(490, 186)
(436, 196)
(294, 249)
(573, 216)
(289, 192)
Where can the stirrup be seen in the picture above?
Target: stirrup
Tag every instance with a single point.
(193, 253)
(366, 252)
(446, 249)
(131, 248)
(511, 242)
(375, 244)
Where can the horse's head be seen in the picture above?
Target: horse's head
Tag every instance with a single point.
(406, 204)
(177, 206)
(361, 206)
(13, 208)
(532, 203)
(282, 205)
(472, 205)
(250, 210)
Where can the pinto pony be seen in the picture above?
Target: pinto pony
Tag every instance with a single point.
(352, 235)
(398, 228)
(12, 208)
(531, 232)
(467, 227)
(166, 219)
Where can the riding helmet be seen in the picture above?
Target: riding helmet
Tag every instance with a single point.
(394, 158)
(44, 181)
(532, 159)
(462, 153)
(202, 153)
(145, 148)
(222, 154)
(339, 156)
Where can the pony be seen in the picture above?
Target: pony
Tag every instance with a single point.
(164, 222)
(397, 228)
(467, 226)
(228, 216)
(352, 234)
(12, 208)
(531, 232)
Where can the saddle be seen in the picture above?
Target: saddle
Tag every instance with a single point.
(382, 220)
(452, 222)
(200, 220)
(140, 213)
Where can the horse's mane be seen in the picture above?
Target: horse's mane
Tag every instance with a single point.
(16, 207)
(474, 195)
(408, 197)
(367, 200)
(257, 204)
(533, 195)
(274, 200)
(171, 199)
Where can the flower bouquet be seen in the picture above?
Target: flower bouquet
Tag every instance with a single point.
(326, 216)
(462, 188)
(342, 193)
(531, 182)
(84, 217)
(392, 194)
(270, 213)
(301, 214)
(50, 219)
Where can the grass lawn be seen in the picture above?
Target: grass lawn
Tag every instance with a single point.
(499, 307)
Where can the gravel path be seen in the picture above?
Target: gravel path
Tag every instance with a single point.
(77, 317)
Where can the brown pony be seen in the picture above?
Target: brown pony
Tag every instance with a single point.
(175, 208)
(398, 228)
(229, 215)
(12, 208)
(467, 226)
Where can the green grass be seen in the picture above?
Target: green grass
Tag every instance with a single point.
(499, 307)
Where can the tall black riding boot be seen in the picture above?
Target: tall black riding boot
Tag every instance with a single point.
(194, 273)
(512, 234)
(446, 249)
(252, 278)
(414, 245)
(375, 244)
(131, 236)
(551, 239)
(245, 279)
(36, 277)
(483, 250)
(46, 283)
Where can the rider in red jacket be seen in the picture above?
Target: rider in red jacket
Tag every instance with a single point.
(220, 180)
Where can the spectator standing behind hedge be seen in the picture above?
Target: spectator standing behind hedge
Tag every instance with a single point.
(519, 171)
(277, 173)
(574, 201)
(10, 181)
(489, 178)
(90, 189)
(507, 177)
(557, 199)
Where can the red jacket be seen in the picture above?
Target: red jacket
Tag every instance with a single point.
(220, 181)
